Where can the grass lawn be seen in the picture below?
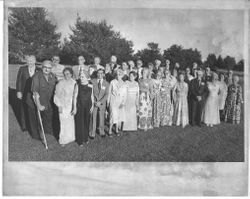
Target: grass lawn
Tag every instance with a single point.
(222, 143)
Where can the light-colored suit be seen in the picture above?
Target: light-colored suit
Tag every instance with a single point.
(76, 70)
(99, 96)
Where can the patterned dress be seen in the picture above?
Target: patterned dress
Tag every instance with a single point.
(166, 105)
(157, 102)
(233, 104)
(181, 105)
(145, 104)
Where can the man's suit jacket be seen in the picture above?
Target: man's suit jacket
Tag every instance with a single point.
(76, 71)
(24, 81)
(102, 95)
(198, 90)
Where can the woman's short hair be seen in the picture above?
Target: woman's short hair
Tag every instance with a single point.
(68, 69)
(85, 73)
(215, 76)
(133, 73)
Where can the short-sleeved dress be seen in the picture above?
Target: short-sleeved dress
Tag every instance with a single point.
(166, 105)
(181, 105)
(233, 104)
(157, 102)
(211, 114)
(117, 97)
(130, 123)
(145, 104)
(64, 98)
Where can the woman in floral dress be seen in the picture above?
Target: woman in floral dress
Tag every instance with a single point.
(166, 105)
(222, 95)
(180, 93)
(157, 99)
(145, 101)
(233, 102)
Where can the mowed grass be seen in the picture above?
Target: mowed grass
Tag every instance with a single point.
(224, 142)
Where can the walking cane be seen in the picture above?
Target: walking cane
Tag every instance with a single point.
(41, 124)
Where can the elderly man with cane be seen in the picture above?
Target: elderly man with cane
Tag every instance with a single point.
(43, 85)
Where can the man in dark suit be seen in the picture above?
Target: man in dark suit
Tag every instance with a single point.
(23, 86)
(208, 75)
(100, 91)
(198, 94)
(40, 97)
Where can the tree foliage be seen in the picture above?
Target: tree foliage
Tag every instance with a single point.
(31, 32)
(149, 54)
(185, 57)
(92, 39)
(211, 62)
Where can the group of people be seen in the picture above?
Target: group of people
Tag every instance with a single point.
(85, 98)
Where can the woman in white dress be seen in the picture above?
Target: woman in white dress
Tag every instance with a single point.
(132, 103)
(222, 95)
(65, 100)
(211, 115)
(180, 93)
(116, 101)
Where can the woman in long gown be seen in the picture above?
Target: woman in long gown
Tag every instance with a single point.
(233, 102)
(132, 103)
(211, 115)
(167, 105)
(85, 102)
(157, 99)
(145, 101)
(116, 102)
(180, 93)
(64, 98)
(222, 95)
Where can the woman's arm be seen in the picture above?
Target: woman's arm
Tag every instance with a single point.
(75, 94)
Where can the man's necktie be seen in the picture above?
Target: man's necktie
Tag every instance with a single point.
(99, 85)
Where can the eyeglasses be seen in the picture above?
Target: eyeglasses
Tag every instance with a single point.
(47, 67)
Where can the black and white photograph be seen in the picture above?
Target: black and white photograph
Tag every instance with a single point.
(104, 93)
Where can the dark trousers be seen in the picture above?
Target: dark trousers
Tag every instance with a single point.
(33, 127)
(82, 124)
(47, 121)
(55, 121)
(23, 115)
(197, 107)
(222, 115)
(34, 124)
(189, 109)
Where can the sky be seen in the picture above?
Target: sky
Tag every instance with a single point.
(210, 31)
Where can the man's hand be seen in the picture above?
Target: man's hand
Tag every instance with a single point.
(60, 109)
(91, 109)
(41, 108)
(199, 98)
(73, 112)
(98, 104)
(19, 95)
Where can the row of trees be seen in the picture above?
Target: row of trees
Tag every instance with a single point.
(31, 32)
